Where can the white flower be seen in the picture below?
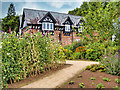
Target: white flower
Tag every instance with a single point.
(3, 77)
(0, 46)
(8, 53)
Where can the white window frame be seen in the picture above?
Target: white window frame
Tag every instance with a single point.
(46, 23)
(67, 28)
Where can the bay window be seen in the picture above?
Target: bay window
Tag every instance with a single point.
(47, 26)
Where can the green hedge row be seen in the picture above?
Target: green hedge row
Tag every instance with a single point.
(28, 55)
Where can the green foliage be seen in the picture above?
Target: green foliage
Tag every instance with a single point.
(94, 51)
(111, 64)
(82, 85)
(117, 80)
(100, 86)
(93, 69)
(71, 82)
(11, 10)
(92, 78)
(107, 79)
(103, 20)
(82, 11)
(10, 21)
(25, 56)
(88, 67)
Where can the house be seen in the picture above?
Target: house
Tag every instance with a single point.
(59, 25)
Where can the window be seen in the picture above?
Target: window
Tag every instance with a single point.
(47, 26)
(67, 28)
(51, 26)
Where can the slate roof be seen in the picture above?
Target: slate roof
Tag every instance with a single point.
(33, 16)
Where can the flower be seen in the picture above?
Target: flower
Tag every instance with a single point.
(8, 53)
(8, 42)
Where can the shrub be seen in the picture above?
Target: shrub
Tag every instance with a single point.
(29, 55)
(94, 51)
(111, 64)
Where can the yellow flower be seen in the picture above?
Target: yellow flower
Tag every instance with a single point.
(114, 48)
(8, 42)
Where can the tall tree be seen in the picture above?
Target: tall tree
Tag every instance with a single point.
(82, 11)
(10, 21)
(104, 19)
(11, 10)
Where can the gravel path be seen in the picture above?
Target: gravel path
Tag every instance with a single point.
(60, 76)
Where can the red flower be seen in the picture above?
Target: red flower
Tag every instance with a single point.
(9, 31)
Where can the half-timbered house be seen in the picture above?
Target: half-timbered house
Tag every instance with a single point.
(59, 25)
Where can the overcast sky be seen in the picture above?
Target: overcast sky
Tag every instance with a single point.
(62, 6)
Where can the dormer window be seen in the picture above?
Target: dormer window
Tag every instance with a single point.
(47, 26)
(67, 28)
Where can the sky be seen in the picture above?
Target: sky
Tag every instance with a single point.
(62, 6)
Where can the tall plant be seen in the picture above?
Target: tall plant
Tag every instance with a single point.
(28, 55)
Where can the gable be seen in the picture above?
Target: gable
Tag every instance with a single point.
(48, 18)
(68, 21)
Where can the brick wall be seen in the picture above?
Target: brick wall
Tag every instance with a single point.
(66, 40)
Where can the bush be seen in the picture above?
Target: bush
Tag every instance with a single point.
(29, 55)
(94, 51)
(111, 64)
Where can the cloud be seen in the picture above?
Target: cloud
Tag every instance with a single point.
(44, 0)
(57, 4)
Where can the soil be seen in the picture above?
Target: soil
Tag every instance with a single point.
(85, 78)
(35, 78)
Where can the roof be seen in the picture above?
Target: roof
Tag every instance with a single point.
(33, 16)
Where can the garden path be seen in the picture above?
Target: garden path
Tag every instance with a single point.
(60, 76)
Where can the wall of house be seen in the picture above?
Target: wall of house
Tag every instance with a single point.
(66, 40)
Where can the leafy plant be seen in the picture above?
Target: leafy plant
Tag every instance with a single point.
(107, 79)
(71, 82)
(28, 55)
(93, 69)
(88, 67)
(82, 85)
(117, 80)
(100, 86)
(111, 64)
(92, 78)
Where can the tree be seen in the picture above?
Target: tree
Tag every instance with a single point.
(11, 10)
(104, 19)
(10, 21)
(82, 11)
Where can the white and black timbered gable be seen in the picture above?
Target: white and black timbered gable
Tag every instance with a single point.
(48, 18)
(68, 21)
